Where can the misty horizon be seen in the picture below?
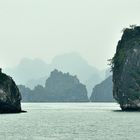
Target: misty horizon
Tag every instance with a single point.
(55, 58)
(69, 69)
(45, 29)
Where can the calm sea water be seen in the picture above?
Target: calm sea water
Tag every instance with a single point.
(70, 121)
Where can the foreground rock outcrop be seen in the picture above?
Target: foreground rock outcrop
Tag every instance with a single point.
(10, 96)
(103, 91)
(59, 87)
(126, 70)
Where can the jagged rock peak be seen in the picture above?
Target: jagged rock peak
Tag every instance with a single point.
(65, 88)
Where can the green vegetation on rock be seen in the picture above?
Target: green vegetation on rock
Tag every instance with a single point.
(126, 69)
(59, 87)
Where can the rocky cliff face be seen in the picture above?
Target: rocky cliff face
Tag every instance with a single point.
(59, 87)
(64, 87)
(103, 91)
(126, 70)
(9, 95)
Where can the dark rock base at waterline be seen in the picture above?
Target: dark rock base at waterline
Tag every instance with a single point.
(6, 108)
(12, 111)
(130, 108)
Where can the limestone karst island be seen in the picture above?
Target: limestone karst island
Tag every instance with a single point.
(69, 70)
(63, 87)
(10, 96)
(126, 70)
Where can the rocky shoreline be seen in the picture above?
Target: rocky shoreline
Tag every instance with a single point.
(10, 97)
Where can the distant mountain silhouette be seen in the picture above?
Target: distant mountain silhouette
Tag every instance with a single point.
(34, 82)
(28, 69)
(59, 87)
(108, 73)
(34, 72)
(76, 65)
(91, 82)
(103, 92)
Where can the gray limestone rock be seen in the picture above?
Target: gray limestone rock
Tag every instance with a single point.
(126, 70)
(10, 96)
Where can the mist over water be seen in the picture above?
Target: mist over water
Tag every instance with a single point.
(70, 121)
(44, 29)
(57, 51)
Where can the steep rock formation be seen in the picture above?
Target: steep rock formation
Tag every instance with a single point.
(64, 87)
(33, 72)
(126, 70)
(103, 91)
(59, 87)
(38, 94)
(9, 95)
(26, 93)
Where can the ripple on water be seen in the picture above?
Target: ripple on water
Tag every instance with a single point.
(70, 121)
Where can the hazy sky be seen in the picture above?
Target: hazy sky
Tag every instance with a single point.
(46, 28)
